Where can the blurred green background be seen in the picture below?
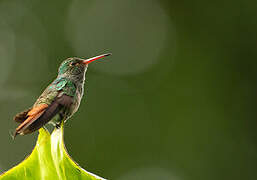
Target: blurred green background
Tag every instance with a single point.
(176, 101)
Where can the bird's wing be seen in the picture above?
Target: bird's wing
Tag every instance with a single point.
(42, 114)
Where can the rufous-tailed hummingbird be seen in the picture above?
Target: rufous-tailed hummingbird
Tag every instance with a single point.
(60, 100)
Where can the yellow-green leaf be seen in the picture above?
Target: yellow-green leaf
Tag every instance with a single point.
(49, 160)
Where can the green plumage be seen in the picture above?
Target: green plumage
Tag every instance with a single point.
(70, 82)
(60, 100)
(62, 96)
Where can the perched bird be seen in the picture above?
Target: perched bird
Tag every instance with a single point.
(60, 100)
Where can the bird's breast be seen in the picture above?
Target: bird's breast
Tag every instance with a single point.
(77, 99)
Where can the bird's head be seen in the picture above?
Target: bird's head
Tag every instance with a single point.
(76, 66)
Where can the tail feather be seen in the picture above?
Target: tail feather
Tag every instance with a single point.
(28, 117)
(21, 117)
(23, 128)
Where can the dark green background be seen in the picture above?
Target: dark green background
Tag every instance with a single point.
(176, 101)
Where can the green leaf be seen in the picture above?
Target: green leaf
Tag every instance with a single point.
(49, 160)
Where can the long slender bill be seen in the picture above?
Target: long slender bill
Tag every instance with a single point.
(87, 61)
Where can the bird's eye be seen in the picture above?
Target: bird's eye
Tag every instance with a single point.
(72, 64)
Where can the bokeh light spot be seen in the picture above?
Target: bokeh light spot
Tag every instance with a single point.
(134, 31)
(7, 51)
(152, 173)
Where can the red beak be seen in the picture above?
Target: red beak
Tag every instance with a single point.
(87, 61)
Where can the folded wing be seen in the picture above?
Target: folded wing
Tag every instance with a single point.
(34, 118)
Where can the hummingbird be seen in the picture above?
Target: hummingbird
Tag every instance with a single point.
(60, 100)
